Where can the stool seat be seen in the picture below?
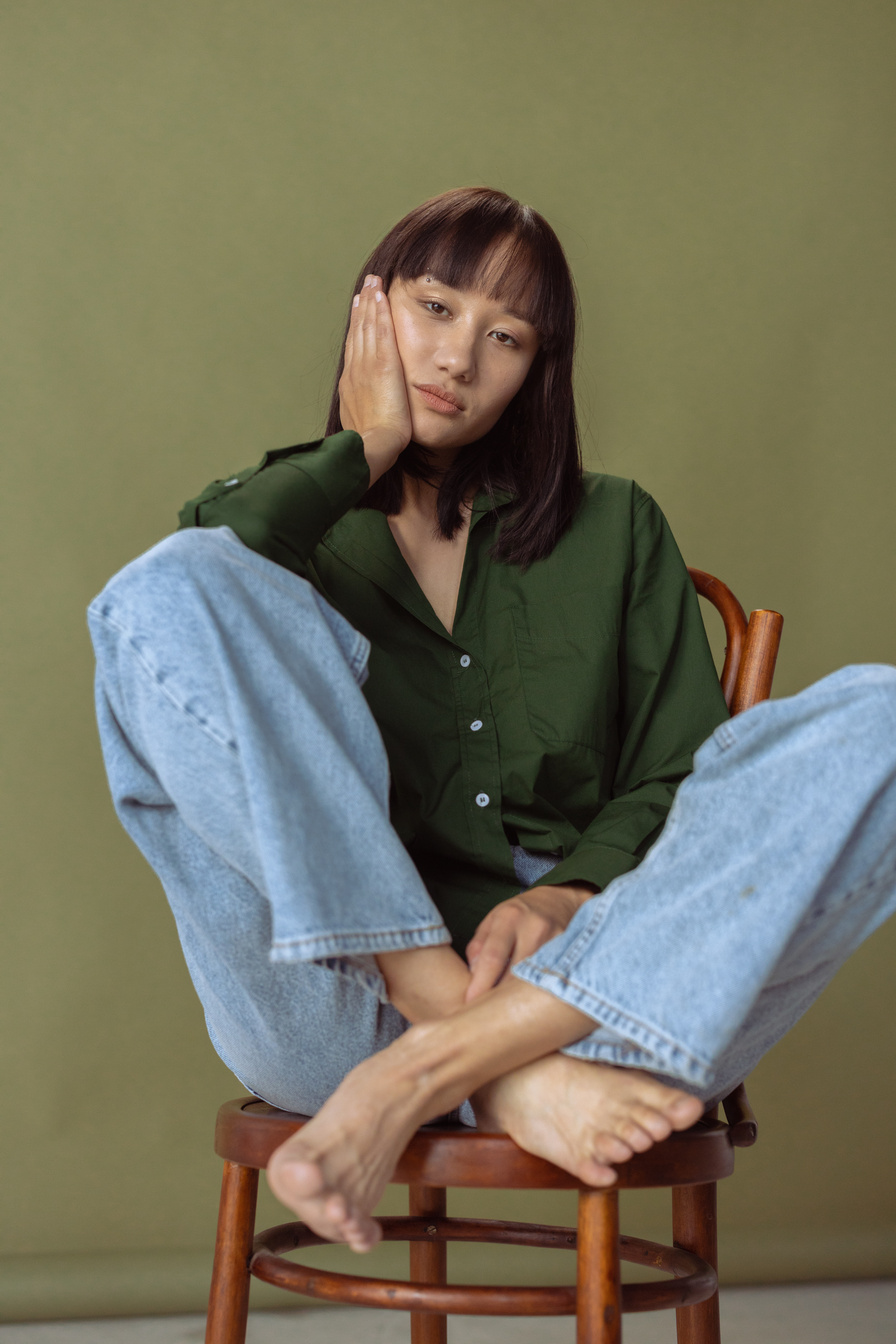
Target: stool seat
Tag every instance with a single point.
(442, 1155)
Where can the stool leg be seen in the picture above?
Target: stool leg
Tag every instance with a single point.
(228, 1300)
(599, 1293)
(694, 1228)
(429, 1263)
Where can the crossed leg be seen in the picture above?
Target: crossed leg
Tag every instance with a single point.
(224, 685)
(225, 681)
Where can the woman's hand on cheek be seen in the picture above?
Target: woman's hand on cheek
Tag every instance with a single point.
(373, 397)
(517, 928)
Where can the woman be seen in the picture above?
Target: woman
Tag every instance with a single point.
(587, 674)
(538, 682)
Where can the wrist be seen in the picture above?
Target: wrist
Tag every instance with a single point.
(583, 891)
(382, 449)
(571, 895)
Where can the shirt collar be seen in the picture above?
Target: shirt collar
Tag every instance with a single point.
(362, 538)
(483, 504)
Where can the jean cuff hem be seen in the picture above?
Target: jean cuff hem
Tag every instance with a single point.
(352, 954)
(317, 946)
(619, 1038)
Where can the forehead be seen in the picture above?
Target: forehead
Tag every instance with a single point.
(501, 270)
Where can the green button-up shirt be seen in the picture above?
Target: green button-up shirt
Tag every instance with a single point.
(562, 711)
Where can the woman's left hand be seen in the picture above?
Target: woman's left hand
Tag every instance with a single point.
(517, 928)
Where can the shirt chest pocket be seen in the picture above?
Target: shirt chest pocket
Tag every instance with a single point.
(568, 662)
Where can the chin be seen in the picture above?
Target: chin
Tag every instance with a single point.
(444, 437)
(428, 436)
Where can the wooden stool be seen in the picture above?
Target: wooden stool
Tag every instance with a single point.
(249, 1130)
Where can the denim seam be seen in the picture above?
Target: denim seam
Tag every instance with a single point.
(159, 682)
(359, 657)
(627, 1056)
(725, 736)
(333, 944)
(589, 931)
(605, 1014)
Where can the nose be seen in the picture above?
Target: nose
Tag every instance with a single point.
(456, 353)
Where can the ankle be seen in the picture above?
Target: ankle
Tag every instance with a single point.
(429, 1070)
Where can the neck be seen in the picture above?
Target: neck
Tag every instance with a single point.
(420, 498)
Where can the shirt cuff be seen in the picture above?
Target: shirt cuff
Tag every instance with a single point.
(598, 864)
(284, 505)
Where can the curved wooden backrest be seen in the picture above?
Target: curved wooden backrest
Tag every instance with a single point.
(752, 645)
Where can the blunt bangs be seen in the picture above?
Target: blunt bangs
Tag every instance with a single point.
(494, 247)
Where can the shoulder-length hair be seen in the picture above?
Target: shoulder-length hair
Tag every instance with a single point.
(533, 451)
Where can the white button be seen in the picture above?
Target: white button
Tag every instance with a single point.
(475, 725)
(482, 800)
(465, 660)
(234, 481)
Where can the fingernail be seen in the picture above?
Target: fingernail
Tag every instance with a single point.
(378, 295)
(356, 300)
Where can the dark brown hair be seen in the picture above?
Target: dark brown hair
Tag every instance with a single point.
(533, 450)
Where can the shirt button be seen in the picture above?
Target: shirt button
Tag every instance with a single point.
(465, 660)
(482, 800)
(475, 725)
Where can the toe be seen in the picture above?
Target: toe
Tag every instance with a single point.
(336, 1213)
(365, 1234)
(596, 1173)
(680, 1109)
(635, 1135)
(609, 1147)
(653, 1122)
(685, 1110)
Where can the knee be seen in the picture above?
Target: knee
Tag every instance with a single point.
(862, 691)
(172, 562)
(850, 716)
(153, 600)
(154, 591)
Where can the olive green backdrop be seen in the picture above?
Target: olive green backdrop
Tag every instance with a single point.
(189, 187)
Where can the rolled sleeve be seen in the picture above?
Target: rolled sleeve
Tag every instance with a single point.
(282, 507)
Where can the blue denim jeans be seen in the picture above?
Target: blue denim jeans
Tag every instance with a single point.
(244, 762)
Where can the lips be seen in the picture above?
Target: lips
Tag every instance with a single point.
(439, 398)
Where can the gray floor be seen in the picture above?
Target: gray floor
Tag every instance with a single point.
(831, 1313)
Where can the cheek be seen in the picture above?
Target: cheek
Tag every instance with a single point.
(507, 385)
(408, 338)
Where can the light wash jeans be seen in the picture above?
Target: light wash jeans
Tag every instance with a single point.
(244, 762)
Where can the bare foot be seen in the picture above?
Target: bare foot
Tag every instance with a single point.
(582, 1116)
(332, 1172)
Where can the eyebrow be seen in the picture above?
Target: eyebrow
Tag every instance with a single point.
(509, 312)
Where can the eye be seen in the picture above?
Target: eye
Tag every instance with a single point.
(505, 338)
(436, 308)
